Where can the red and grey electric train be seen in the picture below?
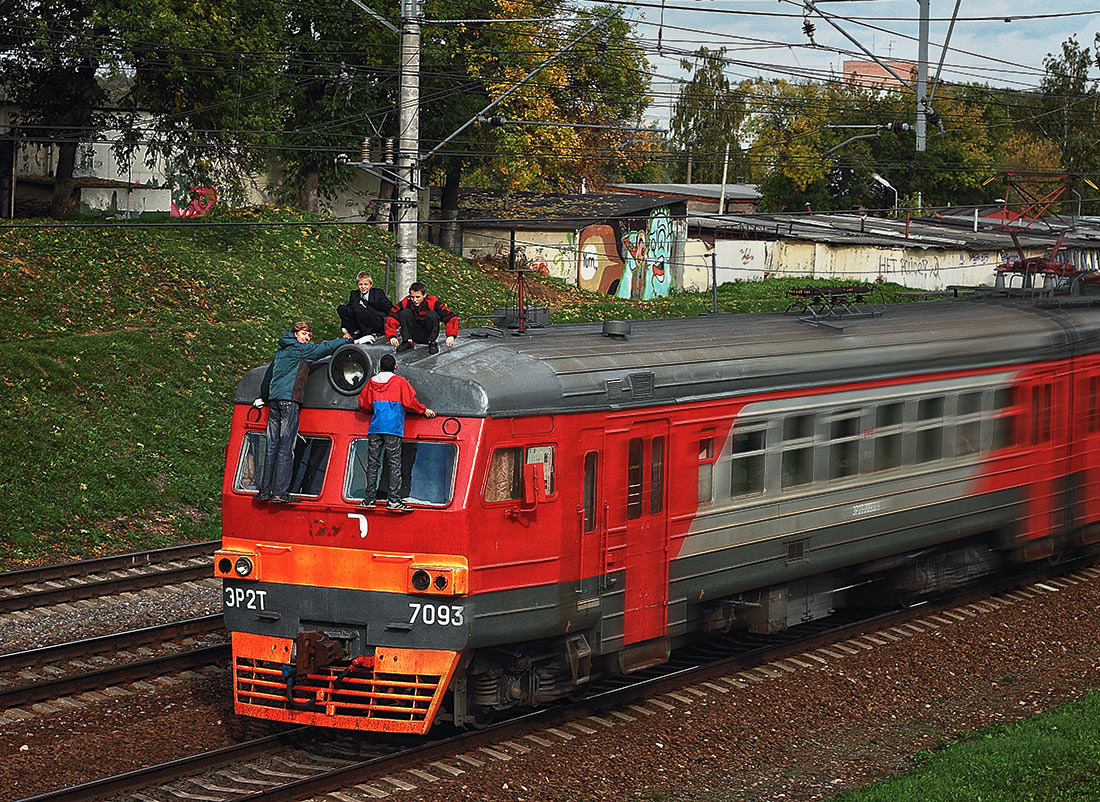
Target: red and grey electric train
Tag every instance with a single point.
(589, 497)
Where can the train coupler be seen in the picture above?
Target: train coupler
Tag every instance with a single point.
(315, 650)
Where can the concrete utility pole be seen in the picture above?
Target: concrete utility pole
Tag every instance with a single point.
(922, 72)
(408, 145)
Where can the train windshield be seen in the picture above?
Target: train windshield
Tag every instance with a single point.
(310, 461)
(427, 472)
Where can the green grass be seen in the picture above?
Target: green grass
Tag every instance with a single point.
(1054, 757)
(123, 345)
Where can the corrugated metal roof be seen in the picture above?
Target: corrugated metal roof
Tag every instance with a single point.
(555, 211)
(712, 191)
(945, 231)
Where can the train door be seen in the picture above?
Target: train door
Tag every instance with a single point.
(1047, 402)
(636, 488)
(591, 529)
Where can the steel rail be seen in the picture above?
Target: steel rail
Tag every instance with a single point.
(107, 587)
(116, 675)
(375, 767)
(31, 576)
(172, 770)
(43, 655)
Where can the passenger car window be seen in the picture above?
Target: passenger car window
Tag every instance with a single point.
(747, 464)
(706, 470)
(307, 474)
(844, 431)
(427, 472)
(591, 477)
(634, 478)
(888, 434)
(797, 463)
(504, 481)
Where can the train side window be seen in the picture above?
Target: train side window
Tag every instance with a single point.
(591, 477)
(1040, 413)
(657, 475)
(747, 465)
(545, 455)
(1004, 427)
(930, 436)
(1094, 404)
(250, 467)
(706, 470)
(427, 472)
(888, 420)
(634, 478)
(930, 408)
(504, 481)
(844, 434)
(797, 463)
(968, 429)
(798, 427)
(307, 474)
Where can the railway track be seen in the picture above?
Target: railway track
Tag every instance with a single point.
(301, 763)
(67, 582)
(64, 669)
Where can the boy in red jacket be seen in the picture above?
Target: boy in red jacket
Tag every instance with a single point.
(416, 319)
(386, 397)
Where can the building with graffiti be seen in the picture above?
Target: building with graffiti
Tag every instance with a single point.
(630, 246)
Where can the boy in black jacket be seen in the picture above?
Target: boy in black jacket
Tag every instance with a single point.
(363, 317)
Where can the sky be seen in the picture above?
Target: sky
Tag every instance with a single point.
(767, 37)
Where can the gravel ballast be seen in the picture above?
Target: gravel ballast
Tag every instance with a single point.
(799, 735)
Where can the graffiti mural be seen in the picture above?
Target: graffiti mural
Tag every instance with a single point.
(599, 265)
(207, 197)
(630, 258)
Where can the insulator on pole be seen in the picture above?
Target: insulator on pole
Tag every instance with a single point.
(364, 150)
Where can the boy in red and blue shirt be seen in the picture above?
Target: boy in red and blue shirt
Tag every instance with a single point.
(386, 397)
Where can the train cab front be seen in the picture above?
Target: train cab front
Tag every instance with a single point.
(347, 638)
(343, 615)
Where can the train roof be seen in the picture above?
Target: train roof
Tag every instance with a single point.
(573, 368)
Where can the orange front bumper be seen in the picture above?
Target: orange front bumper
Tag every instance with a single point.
(401, 692)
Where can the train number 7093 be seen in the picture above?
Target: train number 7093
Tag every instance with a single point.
(441, 614)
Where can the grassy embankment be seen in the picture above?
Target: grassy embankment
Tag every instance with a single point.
(1054, 757)
(124, 344)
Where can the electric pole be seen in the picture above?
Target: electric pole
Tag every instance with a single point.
(922, 73)
(408, 146)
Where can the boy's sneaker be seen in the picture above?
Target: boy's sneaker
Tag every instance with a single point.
(398, 506)
(405, 346)
(367, 502)
(282, 499)
(433, 347)
(262, 497)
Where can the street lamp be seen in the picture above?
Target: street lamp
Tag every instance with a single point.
(889, 186)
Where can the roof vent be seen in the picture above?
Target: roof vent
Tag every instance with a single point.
(617, 329)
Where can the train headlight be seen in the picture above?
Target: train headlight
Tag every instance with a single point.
(438, 580)
(237, 564)
(349, 369)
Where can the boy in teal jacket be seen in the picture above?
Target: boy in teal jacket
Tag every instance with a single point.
(286, 391)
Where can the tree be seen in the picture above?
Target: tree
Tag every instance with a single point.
(707, 117)
(50, 56)
(600, 80)
(205, 92)
(336, 89)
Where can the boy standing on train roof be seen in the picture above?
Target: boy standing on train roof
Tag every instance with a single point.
(416, 319)
(363, 317)
(285, 394)
(386, 397)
